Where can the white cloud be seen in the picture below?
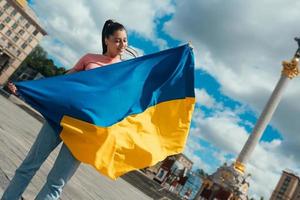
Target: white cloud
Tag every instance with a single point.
(64, 54)
(242, 45)
(77, 26)
(204, 99)
(223, 131)
(220, 156)
(266, 165)
(191, 152)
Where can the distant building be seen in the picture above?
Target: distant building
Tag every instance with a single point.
(192, 184)
(224, 184)
(20, 32)
(288, 187)
(172, 172)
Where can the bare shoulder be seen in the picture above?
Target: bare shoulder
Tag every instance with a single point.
(93, 55)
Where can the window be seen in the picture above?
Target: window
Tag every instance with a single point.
(21, 32)
(281, 192)
(18, 52)
(282, 189)
(14, 12)
(29, 39)
(286, 183)
(7, 19)
(14, 26)
(24, 45)
(27, 25)
(2, 26)
(8, 32)
(6, 6)
(288, 179)
(35, 32)
(24, 22)
(9, 45)
(21, 18)
(15, 39)
(279, 197)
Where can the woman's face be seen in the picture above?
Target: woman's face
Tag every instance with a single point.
(116, 43)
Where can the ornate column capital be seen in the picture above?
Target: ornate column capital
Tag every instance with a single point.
(290, 69)
(239, 167)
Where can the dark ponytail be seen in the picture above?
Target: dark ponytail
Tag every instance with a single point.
(108, 29)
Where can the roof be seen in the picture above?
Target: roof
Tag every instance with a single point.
(291, 173)
(28, 13)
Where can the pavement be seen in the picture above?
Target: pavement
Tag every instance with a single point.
(18, 129)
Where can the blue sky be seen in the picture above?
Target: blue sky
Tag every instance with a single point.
(238, 46)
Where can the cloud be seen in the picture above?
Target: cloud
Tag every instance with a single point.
(263, 166)
(204, 99)
(223, 130)
(242, 45)
(77, 26)
(56, 48)
(225, 133)
(191, 151)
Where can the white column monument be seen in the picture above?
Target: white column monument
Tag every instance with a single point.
(229, 182)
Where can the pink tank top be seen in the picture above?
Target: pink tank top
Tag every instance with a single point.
(91, 61)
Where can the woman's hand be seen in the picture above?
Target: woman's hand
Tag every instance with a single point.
(12, 87)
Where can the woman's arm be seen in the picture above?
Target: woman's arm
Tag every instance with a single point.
(79, 66)
(71, 71)
(12, 88)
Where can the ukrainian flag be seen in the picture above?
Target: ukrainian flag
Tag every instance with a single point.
(123, 116)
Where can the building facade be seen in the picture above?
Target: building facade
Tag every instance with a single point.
(172, 172)
(20, 32)
(288, 187)
(192, 185)
(226, 183)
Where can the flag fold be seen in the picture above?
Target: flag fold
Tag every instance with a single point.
(123, 116)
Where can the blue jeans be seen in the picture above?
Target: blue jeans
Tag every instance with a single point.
(63, 169)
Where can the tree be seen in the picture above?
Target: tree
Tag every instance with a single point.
(39, 61)
(201, 173)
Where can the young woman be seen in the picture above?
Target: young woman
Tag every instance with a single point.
(114, 43)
